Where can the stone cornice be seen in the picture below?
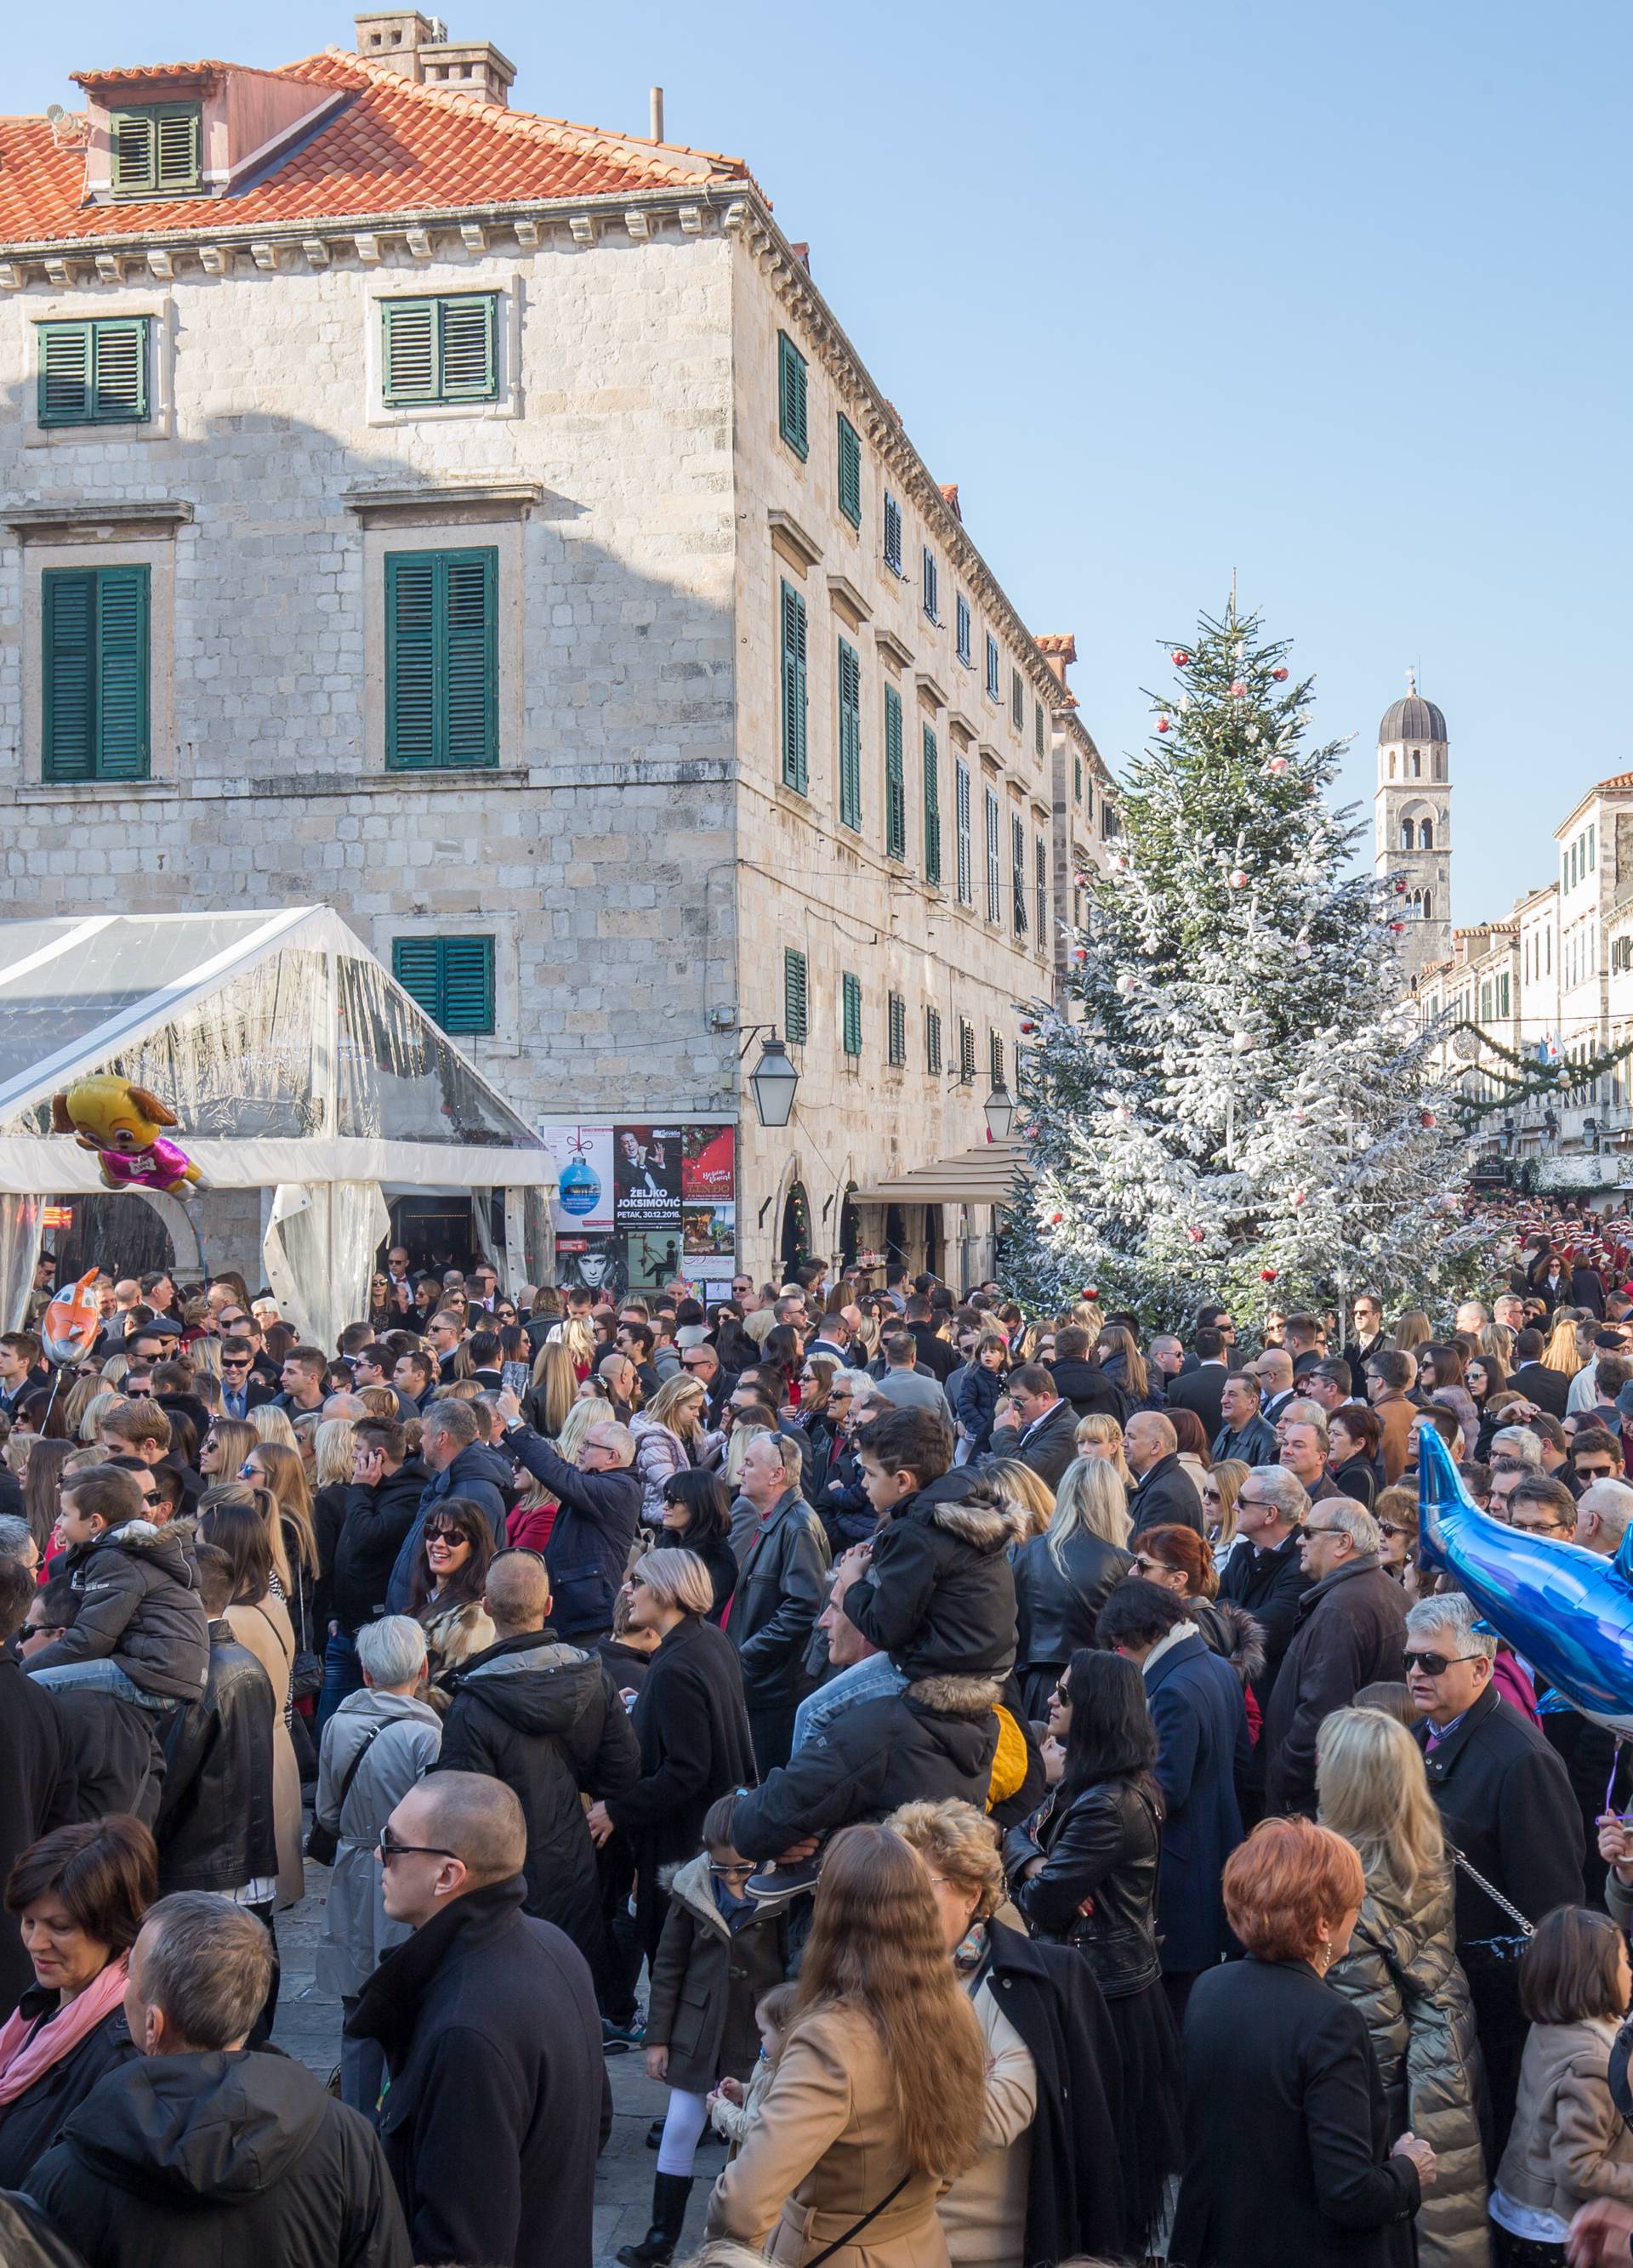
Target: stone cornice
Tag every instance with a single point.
(78, 523)
(428, 501)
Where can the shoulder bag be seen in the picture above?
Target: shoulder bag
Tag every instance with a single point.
(323, 1843)
(1489, 1954)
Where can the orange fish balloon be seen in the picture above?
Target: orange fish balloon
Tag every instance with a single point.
(71, 1322)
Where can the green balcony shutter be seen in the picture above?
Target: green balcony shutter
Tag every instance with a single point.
(450, 977)
(850, 736)
(932, 808)
(96, 674)
(794, 689)
(850, 471)
(791, 384)
(853, 1025)
(466, 326)
(64, 374)
(795, 996)
(898, 1030)
(411, 349)
(441, 660)
(895, 784)
(178, 149)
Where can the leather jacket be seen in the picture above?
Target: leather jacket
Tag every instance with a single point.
(216, 1828)
(1102, 1850)
(1055, 1610)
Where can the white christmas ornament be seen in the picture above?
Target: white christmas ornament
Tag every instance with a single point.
(1239, 880)
(1128, 983)
(1241, 1043)
(1277, 766)
(1252, 735)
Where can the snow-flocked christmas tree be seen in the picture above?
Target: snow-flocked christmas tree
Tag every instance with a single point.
(1246, 1112)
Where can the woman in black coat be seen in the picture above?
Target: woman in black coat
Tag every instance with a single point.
(1064, 1577)
(691, 1724)
(697, 1517)
(1284, 2106)
(81, 1894)
(1085, 1870)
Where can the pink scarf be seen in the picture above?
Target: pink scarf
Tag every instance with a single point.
(24, 2059)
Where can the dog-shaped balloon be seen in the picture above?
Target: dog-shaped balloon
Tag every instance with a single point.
(123, 1124)
(71, 1322)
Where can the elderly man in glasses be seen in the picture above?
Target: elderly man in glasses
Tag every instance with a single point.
(1506, 1802)
(1351, 1627)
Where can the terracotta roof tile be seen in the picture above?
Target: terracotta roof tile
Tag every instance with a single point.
(146, 70)
(394, 147)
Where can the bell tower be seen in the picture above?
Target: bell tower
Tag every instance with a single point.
(1412, 822)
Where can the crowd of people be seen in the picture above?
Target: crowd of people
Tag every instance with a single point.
(1015, 1780)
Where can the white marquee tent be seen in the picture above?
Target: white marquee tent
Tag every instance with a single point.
(295, 1063)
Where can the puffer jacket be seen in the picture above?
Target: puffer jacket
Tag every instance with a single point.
(1232, 1633)
(138, 1608)
(939, 1594)
(979, 1390)
(1569, 2142)
(707, 1978)
(659, 1453)
(1402, 1972)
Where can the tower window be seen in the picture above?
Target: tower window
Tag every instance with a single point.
(1426, 836)
(1406, 834)
(1440, 767)
(1391, 763)
(1428, 914)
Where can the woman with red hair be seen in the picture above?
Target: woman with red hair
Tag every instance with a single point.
(1284, 2100)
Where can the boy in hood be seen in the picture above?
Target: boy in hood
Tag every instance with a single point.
(141, 1631)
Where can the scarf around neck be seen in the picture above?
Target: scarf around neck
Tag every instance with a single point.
(29, 2049)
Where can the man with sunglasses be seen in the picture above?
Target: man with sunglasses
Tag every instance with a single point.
(1506, 1803)
(499, 2100)
(1348, 1633)
(241, 1391)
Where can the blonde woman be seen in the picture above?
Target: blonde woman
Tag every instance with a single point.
(1024, 1490)
(1220, 1484)
(294, 1537)
(1413, 1330)
(227, 1446)
(334, 1458)
(1562, 1354)
(1099, 1435)
(272, 1424)
(1063, 1576)
(580, 1340)
(742, 1433)
(1402, 1969)
(80, 1396)
(554, 1386)
(94, 1411)
(669, 1438)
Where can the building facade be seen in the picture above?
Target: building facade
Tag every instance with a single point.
(1411, 823)
(484, 524)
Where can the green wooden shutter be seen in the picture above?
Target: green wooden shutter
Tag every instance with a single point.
(850, 736)
(932, 808)
(441, 660)
(794, 689)
(466, 336)
(64, 397)
(961, 822)
(178, 145)
(96, 674)
(895, 784)
(932, 1040)
(93, 373)
(409, 335)
(135, 139)
(853, 1027)
(156, 151)
(795, 996)
(450, 977)
(791, 386)
(416, 964)
(892, 534)
(898, 1030)
(850, 471)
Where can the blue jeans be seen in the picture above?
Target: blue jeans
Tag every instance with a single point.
(104, 1677)
(864, 1681)
(343, 1675)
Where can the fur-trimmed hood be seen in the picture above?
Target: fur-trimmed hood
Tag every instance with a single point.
(983, 1527)
(955, 1697)
(1234, 1635)
(693, 1886)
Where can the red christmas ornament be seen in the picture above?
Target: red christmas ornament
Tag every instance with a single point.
(1195, 1235)
(1400, 889)
(1280, 676)
(1032, 1132)
(1267, 1275)
(1426, 1118)
(1161, 724)
(1080, 954)
(1278, 765)
(1055, 1218)
(1397, 929)
(1239, 689)
(1027, 1027)
(1090, 1292)
(1300, 1196)
(1239, 880)
(1182, 659)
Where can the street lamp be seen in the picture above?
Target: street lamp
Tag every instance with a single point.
(1000, 1110)
(772, 1082)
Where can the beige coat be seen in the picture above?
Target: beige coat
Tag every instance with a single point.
(983, 2214)
(266, 1630)
(822, 2152)
(1568, 2143)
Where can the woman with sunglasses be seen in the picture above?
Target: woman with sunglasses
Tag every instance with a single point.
(455, 1551)
(1396, 1514)
(669, 1439)
(296, 1565)
(1220, 1485)
(697, 1518)
(1178, 1559)
(228, 1445)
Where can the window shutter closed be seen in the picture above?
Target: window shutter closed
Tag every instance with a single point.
(441, 660)
(932, 808)
(416, 964)
(471, 711)
(411, 344)
(119, 370)
(177, 140)
(135, 142)
(467, 339)
(932, 1040)
(795, 996)
(94, 373)
(121, 634)
(850, 736)
(794, 772)
(64, 374)
(850, 472)
(853, 1015)
(895, 784)
(96, 674)
(71, 676)
(791, 393)
(450, 977)
(439, 350)
(898, 1029)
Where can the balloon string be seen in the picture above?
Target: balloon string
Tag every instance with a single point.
(1616, 1766)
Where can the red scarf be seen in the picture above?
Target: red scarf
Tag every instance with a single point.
(28, 2049)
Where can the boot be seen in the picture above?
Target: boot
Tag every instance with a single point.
(669, 2196)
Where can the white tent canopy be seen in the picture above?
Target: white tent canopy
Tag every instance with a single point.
(293, 1061)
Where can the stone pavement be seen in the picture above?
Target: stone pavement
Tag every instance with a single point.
(308, 2026)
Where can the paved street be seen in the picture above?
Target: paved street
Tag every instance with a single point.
(309, 2026)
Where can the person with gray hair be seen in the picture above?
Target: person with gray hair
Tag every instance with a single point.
(1265, 1579)
(1350, 1628)
(1517, 1441)
(378, 1744)
(17, 1541)
(1603, 1511)
(1507, 1805)
(599, 1499)
(200, 2152)
(500, 2104)
(783, 1565)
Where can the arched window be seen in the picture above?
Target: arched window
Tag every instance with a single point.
(1417, 763)
(1426, 836)
(1440, 767)
(1391, 763)
(1406, 834)
(1428, 914)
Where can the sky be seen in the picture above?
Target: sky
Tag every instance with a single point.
(1334, 297)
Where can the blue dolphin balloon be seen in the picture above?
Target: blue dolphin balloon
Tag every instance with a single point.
(1566, 1611)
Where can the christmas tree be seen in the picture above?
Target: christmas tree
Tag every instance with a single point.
(1238, 1106)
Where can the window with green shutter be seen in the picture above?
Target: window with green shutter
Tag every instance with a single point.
(156, 150)
(961, 617)
(1037, 728)
(850, 736)
(895, 782)
(1040, 882)
(791, 387)
(932, 808)
(795, 771)
(795, 996)
(451, 978)
(439, 350)
(995, 1056)
(933, 1041)
(441, 660)
(1017, 701)
(94, 373)
(850, 471)
(852, 996)
(892, 534)
(95, 675)
(961, 820)
(898, 1030)
(994, 870)
(992, 666)
(930, 585)
(1017, 869)
(967, 1051)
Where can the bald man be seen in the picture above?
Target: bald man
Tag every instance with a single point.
(499, 2101)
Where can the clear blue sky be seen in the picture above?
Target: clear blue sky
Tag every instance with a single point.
(1334, 295)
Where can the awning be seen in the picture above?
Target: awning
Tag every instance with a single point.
(984, 1176)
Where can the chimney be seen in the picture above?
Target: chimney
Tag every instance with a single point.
(1058, 649)
(655, 112)
(419, 47)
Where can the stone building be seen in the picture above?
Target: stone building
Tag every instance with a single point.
(483, 524)
(1411, 823)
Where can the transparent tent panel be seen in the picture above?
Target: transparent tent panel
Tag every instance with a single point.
(400, 1080)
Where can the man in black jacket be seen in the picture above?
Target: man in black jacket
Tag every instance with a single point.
(935, 1354)
(1164, 1495)
(1264, 1575)
(1243, 1433)
(1349, 1632)
(117, 1762)
(545, 1718)
(377, 1513)
(1199, 1389)
(1549, 1390)
(1506, 1803)
(499, 2103)
(1082, 1382)
(36, 1769)
(201, 2150)
(1042, 1434)
(216, 1828)
(592, 1532)
(782, 1569)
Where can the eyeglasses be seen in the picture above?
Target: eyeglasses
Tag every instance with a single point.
(1388, 1528)
(390, 1848)
(731, 1874)
(1436, 1664)
(1210, 1495)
